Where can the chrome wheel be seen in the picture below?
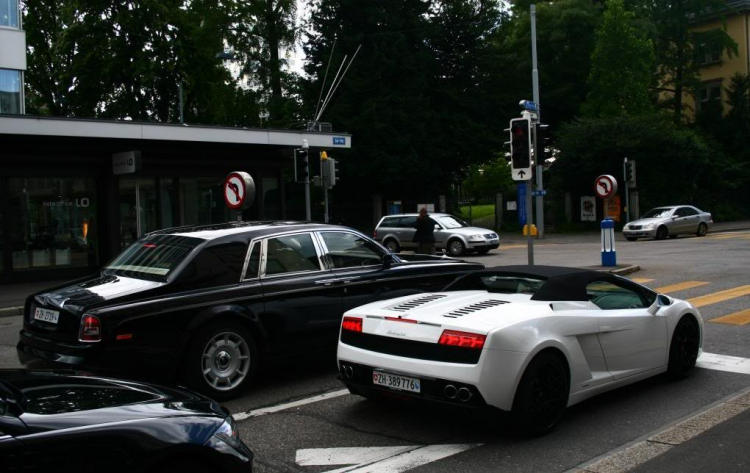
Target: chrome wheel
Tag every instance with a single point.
(456, 248)
(702, 230)
(392, 246)
(226, 361)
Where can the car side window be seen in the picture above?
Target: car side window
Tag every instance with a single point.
(253, 262)
(347, 250)
(679, 213)
(609, 295)
(216, 265)
(408, 222)
(688, 212)
(389, 222)
(291, 254)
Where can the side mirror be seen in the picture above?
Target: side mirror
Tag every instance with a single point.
(437, 228)
(388, 260)
(661, 301)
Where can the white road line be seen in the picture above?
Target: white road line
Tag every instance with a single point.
(733, 364)
(379, 459)
(289, 405)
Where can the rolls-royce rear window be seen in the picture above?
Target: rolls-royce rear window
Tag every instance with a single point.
(153, 257)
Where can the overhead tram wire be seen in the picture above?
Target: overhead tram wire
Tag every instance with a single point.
(333, 91)
(330, 59)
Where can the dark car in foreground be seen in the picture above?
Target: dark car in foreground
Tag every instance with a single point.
(77, 422)
(205, 304)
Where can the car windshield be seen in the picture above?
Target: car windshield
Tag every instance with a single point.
(152, 257)
(448, 221)
(657, 213)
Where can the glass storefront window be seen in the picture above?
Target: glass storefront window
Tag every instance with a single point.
(202, 201)
(10, 90)
(137, 204)
(9, 13)
(53, 223)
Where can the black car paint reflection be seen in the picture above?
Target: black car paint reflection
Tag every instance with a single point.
(66, 422)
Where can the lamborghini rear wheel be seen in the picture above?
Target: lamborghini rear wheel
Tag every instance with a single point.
(542, 395)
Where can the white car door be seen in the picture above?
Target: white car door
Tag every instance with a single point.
(632, 339)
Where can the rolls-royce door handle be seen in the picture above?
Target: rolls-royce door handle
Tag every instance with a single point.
(331, 282)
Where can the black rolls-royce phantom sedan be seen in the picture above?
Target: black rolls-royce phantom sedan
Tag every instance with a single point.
(205, 305)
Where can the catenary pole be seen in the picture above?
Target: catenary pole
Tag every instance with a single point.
(537, 155)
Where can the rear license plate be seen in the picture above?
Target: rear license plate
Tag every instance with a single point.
(395, 381)
(46, 315)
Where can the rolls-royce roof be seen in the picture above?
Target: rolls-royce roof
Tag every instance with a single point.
(252, 229)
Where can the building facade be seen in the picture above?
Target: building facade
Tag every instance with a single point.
(12, 58)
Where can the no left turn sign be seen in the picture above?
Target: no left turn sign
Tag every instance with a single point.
(605, 186)
(239, 190)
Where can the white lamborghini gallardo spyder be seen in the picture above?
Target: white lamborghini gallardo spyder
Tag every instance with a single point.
(530, 340)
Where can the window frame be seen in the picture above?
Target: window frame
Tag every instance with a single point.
(326, 251)
(629, 286)
(264, 255)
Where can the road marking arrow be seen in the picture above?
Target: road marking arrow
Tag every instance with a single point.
(381, 459)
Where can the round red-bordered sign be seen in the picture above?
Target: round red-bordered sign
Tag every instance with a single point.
(605, 186)
(239, 190)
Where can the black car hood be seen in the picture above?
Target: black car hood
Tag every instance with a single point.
(418, 258)
(60, 400)
(91, 292)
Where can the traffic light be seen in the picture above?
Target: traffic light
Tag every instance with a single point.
(301, 168)
(520, 148)
(544, 142)
(630, 173)
(329, 172)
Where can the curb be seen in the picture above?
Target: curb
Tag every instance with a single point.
(626, 270)
(11, 311)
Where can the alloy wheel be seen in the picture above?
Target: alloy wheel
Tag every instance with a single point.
(456, 248)
(226, 361)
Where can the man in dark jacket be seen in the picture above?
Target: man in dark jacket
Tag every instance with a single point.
(424, 236)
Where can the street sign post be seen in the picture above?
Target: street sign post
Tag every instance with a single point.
(239, 191)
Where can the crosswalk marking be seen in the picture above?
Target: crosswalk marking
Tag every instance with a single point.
(738, 318)
(641, 280)
(720, 296)
(733, 364)
(680, 286)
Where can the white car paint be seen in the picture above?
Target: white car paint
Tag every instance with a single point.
(605, 349)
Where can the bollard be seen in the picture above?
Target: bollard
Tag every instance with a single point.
(609, 255)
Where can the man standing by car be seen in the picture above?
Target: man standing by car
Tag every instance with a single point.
(424, 236)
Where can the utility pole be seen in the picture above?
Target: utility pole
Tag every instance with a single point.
(538, 157)
(308, 214)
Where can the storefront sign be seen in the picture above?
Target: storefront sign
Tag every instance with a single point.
(239, 190)
(612, 208)
(588, 209)
(127, 162)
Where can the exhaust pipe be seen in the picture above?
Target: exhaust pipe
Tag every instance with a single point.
(349, 371)
(464, 394)
(450, 391)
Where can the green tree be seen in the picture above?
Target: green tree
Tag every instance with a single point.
(622, 67)
(679, 47)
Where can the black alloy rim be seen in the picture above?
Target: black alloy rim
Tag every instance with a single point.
(548, 394)
(686, 344)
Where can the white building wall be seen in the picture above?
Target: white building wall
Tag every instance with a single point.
(12, 49)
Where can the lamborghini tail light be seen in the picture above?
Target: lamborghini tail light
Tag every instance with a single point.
(352, 324)
(462, 339)
(91, 329)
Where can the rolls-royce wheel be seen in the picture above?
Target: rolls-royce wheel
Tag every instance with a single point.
(662, 233)
(542, 395)
(683, 351)
(702, 230)
(456, 247)
(392, 245)
(222, 360)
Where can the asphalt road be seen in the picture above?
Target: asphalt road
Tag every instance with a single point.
(290, 428)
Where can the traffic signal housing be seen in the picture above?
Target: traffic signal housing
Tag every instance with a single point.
(330, 171)
(544, 142)
(520, 148)
(301, 165)
(630, 174)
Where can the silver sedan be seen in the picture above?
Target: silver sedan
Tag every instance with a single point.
(663, 222)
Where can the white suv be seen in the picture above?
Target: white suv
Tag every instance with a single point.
(452, 234)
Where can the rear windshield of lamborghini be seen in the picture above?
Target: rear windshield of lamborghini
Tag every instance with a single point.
(496, 283)
(153, 257)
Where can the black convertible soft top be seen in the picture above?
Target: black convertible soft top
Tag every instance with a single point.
(560, 283)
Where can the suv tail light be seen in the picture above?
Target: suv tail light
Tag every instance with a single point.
(375, 233)
(352, 324)
(462, 339)
(91, 329)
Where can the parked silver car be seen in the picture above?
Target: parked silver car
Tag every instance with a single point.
(452, 234)
(663, 222)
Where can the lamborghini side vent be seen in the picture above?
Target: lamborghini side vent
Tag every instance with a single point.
(474, 308)
(414, 303)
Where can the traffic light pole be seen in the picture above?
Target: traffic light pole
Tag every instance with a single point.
(538, 157)
(627, 184)
(308, 214)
